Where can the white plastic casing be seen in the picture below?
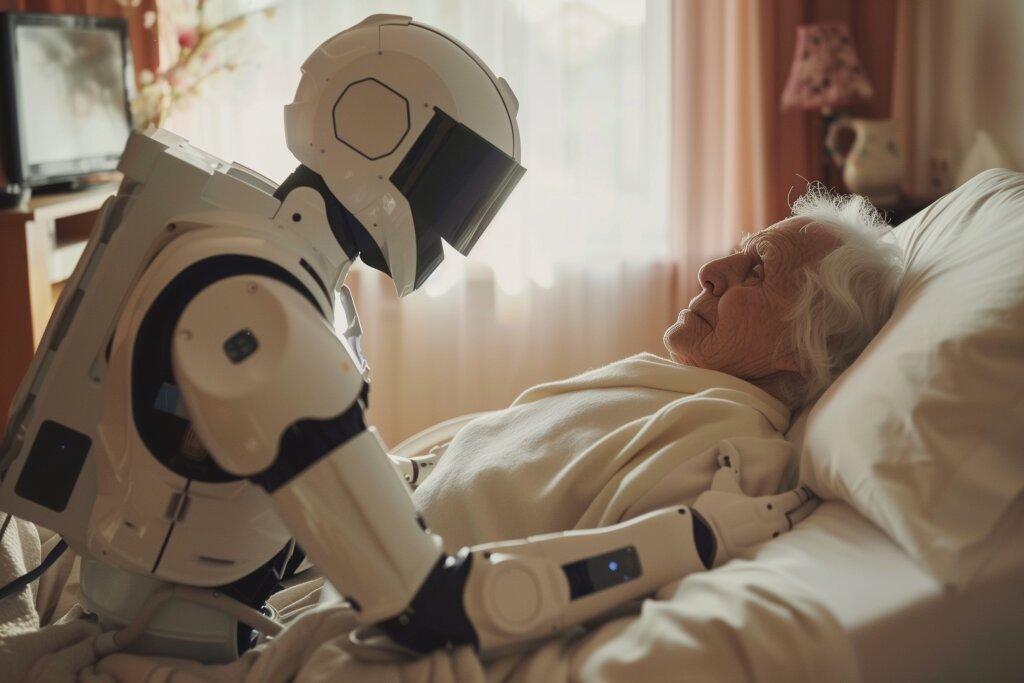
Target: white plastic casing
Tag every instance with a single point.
(221, 531)
(187, 629)
(349, 510)
(366, 95)
(177, 205)
(518, 591)
(299, 369)
(369, 545)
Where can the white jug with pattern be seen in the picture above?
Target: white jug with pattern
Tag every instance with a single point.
(872, 166)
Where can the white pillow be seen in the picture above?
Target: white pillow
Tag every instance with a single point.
(924, 434)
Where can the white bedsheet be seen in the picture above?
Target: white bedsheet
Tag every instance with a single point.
(832, 600)
(902, 624)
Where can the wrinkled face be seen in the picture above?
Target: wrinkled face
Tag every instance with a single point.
(737, 323)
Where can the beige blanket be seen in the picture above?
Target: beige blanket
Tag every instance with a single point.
(607, 445)
(593, 450)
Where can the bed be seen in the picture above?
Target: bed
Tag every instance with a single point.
(911, 570)
(919, 449)
(902, 624)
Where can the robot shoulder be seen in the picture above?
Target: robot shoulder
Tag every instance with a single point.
(254, 360)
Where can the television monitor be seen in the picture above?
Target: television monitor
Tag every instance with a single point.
(67, 87)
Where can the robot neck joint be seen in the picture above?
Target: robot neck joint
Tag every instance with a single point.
(349, 233)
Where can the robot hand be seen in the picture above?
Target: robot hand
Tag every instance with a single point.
(738, 520)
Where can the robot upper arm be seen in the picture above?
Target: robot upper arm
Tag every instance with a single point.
(253, 357)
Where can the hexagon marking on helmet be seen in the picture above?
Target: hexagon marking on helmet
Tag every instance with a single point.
(371, 118)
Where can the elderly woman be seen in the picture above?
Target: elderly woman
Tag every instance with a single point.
(775, 322)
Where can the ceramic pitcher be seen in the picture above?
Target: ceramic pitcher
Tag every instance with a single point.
(872, 166)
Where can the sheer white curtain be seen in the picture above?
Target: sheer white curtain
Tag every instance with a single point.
(575, 271)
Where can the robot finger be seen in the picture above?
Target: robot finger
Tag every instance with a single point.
(727, 478)
(804, 510)
(790, 507)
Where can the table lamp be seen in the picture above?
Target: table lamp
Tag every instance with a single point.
(825, 74)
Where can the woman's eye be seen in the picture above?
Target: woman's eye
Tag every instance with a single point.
(756, 273)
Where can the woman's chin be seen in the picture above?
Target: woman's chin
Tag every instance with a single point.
(672, 354)
(666, 341)
(671, 343)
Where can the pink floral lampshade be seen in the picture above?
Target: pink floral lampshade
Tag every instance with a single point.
(826, 72)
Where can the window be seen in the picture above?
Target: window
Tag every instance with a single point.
(592, 79)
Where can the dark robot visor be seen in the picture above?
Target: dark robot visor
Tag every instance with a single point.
(455, 181)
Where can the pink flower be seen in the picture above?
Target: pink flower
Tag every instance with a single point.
(188, 37)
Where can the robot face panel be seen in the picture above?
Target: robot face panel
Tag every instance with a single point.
(371, 118)
(454, 181)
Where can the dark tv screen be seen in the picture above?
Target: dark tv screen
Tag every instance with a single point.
(68, 94)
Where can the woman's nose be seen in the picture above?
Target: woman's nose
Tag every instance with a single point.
(711, 278)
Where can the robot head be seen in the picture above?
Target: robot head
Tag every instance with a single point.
(413, 135)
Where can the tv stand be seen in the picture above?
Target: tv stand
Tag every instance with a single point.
(40, 244)
(81, 184)
(66, 187)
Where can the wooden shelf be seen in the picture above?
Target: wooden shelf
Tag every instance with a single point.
(65, 204)
(40, 244)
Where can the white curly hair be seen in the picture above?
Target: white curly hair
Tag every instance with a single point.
(845, 300)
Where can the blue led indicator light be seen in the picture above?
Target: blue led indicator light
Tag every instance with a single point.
(614, 566)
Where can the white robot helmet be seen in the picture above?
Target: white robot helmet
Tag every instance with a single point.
(413, 134)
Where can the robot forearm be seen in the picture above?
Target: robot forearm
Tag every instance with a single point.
(505, 593)
(587, 572)
(356, 521)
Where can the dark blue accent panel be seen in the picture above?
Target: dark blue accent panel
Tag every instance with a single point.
(593, 574)
(704, 539)
(53, 464)
(347, 230)
(241, 345)
(305, 442)
(436, 618)
(316, 278)
(254, 589)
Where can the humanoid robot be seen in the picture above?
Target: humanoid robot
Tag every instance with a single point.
(191, 414)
